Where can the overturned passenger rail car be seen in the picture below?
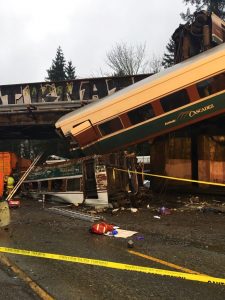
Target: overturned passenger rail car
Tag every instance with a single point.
(72, 181)
(92, 181)
(184, 94)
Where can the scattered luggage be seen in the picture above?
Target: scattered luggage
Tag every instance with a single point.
(101, 228)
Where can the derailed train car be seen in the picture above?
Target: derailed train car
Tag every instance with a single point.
(92, 181)
(184, 94)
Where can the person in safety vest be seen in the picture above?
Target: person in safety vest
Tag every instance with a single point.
(10, 184)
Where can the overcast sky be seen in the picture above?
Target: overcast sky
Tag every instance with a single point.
(31, 31)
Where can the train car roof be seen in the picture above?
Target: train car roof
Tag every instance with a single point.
(188, 64)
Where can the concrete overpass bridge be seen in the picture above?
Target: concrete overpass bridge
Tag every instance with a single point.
(30, 110)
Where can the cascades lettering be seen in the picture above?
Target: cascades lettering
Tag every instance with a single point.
(192, 113)
(200, 110)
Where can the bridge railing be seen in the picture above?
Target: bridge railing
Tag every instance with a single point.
(76, 92)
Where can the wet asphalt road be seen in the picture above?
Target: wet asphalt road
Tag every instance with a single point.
(13, 288)
(198, 243)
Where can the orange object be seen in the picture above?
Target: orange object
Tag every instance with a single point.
(101, 228)
(8, 162)
(1, 183)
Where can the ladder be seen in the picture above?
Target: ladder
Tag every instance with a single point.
(24, 176)
(74, 214)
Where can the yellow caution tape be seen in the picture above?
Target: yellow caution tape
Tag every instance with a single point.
(172, 178)
(115, 265)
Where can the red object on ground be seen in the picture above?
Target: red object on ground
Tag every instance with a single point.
(14, 203)
(101, 228)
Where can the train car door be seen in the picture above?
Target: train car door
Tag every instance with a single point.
(90, 186)
(84, 133)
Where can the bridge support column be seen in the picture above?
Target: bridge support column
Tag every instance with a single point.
(189, 155)
(158, 162)
(194, 157)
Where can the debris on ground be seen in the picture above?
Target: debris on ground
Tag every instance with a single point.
(114, 232)
(110, 230)
(127, 199)
(133, 210)
(194, 199)
(164, 211)
(130, 244)
(74, 214)
(101, 228)
(14, 203)
(115, 210)
(139, 238)
(121, 233)
(92, 212)
(158, 206)
(100, 209)
(212, 209)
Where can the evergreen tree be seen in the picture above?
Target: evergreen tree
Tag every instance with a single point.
(70, 70)
(168, 57)
(57, 70)
(216, 6)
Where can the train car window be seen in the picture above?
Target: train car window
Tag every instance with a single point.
(174, 100)
(57, 185)
(73, 184)
(212, 85)
(30, 185)
(110, 126)
(220, 82)
(34, 186)
(25, 187)
(141, 114)
(205, 87)
(44, 186)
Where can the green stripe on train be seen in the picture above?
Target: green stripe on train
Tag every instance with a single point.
(182, 117)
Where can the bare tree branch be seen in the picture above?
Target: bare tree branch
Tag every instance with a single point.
(126, 60)
(155, 64)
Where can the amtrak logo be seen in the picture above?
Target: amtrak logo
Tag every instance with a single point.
(192, 113)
